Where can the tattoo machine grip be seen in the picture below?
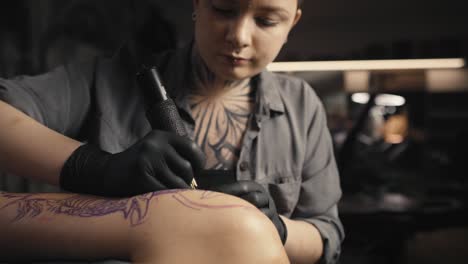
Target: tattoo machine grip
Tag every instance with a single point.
(161, 110)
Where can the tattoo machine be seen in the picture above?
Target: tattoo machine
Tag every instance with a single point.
(161, 110)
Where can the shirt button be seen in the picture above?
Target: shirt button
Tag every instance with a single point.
(244, 166)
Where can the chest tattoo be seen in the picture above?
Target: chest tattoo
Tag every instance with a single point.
(220, 125)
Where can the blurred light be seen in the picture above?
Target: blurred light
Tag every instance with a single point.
(390, 100)
(360, 98)
(359, 65)
(380, 100)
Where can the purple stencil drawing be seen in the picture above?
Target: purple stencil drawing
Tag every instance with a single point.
(134, 209)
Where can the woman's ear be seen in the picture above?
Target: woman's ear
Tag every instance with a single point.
(296, 18)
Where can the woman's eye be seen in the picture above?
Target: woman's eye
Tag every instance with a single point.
(265, 22)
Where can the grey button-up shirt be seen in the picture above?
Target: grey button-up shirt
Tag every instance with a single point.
(287, 147)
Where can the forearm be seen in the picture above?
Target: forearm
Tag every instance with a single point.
(304, 243)
(27, 148)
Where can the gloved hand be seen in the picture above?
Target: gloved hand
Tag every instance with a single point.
(159, 161)
(254, 193)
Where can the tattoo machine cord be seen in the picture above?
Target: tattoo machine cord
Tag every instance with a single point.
(161, 110)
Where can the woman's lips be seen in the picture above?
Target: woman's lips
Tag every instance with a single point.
(235, 61)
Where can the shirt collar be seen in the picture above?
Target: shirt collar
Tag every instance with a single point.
(269, 97)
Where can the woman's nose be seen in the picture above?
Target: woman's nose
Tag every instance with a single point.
(239, 34)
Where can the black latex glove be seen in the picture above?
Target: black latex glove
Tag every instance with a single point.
(159, 161)
(254, 193)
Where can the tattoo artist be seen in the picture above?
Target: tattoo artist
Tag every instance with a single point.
(269, 130)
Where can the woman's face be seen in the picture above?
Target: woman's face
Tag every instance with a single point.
(237, 39)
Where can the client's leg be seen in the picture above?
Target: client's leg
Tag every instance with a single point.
(165, 227)
(206, 227)
(64, 227)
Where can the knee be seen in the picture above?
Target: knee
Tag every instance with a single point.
(250, 224)
(250, 235)
(222, 227)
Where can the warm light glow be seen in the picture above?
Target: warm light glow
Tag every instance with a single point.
(394, 139)
(380, 100)
(447, 80)
(359, 65)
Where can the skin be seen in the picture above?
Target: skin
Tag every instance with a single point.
(174, 226)
(234, 41)
(220, 124)
(243, 29)
(33, 157)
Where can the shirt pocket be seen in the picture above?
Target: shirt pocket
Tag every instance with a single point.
(285, 193)
(283, 182)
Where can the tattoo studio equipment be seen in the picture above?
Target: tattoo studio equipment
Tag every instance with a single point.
(161, 110)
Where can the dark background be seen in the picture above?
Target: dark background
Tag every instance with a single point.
(402, 203)
(333, 29)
